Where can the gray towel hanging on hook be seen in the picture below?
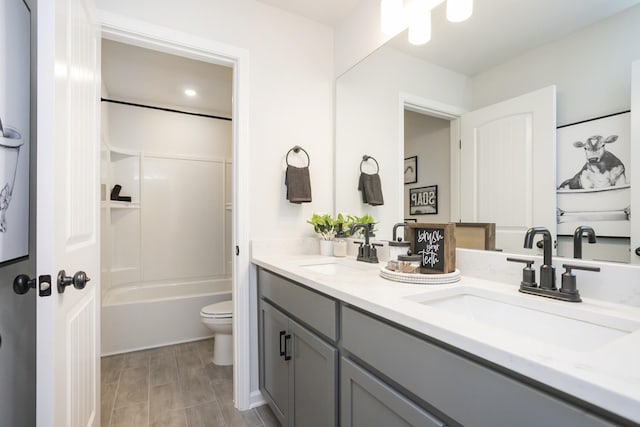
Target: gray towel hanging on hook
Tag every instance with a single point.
(297, 180)
(370, 185)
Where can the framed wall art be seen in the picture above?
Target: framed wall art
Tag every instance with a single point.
(411, 170)
(15, 76)
(423, 200)
(593, 176)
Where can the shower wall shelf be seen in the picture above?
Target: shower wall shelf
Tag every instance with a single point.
(122, 220)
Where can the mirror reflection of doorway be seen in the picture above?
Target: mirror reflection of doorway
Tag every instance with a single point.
(428, 139)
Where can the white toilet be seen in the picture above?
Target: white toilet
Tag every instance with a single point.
(219, 317)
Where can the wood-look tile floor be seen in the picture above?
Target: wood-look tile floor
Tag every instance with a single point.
(171, 386)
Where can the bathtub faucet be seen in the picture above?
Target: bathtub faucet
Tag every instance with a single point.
(577, 239)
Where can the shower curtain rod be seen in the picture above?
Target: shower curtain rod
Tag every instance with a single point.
(171, 110)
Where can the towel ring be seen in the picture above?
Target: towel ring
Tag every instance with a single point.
(296, 149)
(366, 158)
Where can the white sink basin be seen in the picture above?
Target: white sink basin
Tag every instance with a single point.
(330, 268)
(563, 324)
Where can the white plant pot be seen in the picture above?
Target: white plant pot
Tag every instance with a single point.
(326, 247)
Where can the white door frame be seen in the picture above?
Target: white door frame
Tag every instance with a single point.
(140, 33)
(430, 107)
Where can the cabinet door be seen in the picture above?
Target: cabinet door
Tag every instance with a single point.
(274, 369)
(314, 379)
(368, 402)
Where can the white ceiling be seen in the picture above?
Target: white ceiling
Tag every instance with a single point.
(501, 29)
(147, 76)
(498, 29)
(328, 12)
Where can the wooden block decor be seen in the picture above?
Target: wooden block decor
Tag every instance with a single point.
(436, 243)
(476, 235)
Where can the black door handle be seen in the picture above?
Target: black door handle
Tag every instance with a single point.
(638, 251)
(287, 355)
(79, 280)
(22, 283)
(282, 333)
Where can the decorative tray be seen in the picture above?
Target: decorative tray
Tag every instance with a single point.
(420, 279)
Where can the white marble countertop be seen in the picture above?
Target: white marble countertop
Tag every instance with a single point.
(606, 375)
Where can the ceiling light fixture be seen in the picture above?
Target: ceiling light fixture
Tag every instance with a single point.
(396, 15)
(190, 92)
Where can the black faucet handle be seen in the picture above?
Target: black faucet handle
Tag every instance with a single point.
(569, 287)
(528, 273)
(377, 244)
(569, 267)
(529, 262)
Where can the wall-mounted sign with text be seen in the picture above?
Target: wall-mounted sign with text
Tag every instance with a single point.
(423, 200)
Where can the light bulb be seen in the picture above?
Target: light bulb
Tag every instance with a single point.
(459, 10)
(392, 16)
(420, 27)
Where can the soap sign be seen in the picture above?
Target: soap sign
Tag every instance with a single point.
(423, 200)
(435, 243)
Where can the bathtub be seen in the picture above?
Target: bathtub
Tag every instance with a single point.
(606, 209)
(139, 316)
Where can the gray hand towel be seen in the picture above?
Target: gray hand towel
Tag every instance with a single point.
(371, 188)
(298, 184)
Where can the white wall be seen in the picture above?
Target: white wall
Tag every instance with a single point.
(368, 121)
(358, 36)
(161, 132)
(591, 69)
(428, 138)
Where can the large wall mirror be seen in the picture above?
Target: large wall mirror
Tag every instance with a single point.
(571, 60)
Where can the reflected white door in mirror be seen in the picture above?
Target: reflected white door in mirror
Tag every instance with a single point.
(507, 166)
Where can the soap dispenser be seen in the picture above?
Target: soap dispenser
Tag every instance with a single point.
(340, 243)
(396, 246)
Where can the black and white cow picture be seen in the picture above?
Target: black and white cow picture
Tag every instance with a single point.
(602, 169)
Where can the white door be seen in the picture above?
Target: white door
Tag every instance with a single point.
(635, 162)
(68, 213)
(507, 166)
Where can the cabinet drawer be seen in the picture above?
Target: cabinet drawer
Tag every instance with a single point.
(468, 392)
(369, 402)
(317, 311)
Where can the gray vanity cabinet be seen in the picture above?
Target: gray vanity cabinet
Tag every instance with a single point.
(298, 368)
(464, 390)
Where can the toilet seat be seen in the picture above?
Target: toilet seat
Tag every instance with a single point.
(219, 310)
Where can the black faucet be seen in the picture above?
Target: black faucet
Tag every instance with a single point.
(547, 270)
(577, 239)
(395, 231)
(368, 252)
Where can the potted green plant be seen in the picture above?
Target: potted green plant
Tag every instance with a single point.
(324, 227)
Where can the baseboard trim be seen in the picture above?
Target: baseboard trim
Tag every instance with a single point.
(256, 399)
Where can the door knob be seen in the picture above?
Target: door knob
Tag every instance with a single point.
(22, 283)
(79, 280)
(638, 251)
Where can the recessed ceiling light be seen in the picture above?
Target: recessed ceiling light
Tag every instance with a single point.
(190, 92)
